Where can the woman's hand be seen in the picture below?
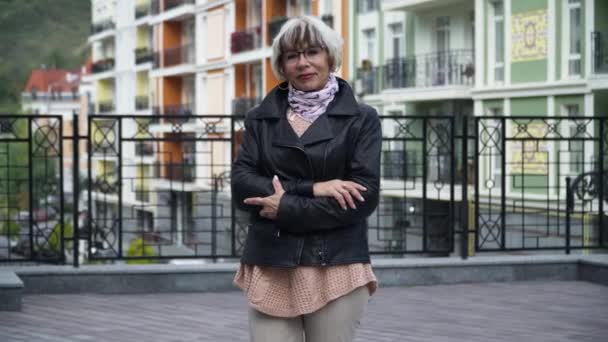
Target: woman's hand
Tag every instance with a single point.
(270, 204)
(342, 191)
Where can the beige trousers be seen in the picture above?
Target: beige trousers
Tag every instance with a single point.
(335, 322)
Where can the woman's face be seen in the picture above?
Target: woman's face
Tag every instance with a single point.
(306, 68)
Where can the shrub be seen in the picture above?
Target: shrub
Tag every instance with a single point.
(10, 228)
(55, 236)
(139, 248)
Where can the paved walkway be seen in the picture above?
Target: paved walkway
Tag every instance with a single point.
(521, 312)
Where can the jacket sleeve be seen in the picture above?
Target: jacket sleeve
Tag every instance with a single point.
(247, 179)
(299, 214)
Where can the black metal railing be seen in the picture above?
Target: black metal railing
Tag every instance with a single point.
(246, 40)
(182, 109)
(144, 149)
(142, 10)
(241, 105)
(174, 56)
(274, 26)
(364, 6)
(169, 4)
(599, 52)
(102, 26)
(369, 80)
(450, 68)
(525, 183)
(328, 19)
(180, 172)
(143, 55)
(142, 102)
(103, 65)
(105, 106)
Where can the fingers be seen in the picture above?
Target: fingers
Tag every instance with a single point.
(349, 199)
(268, 213)
(276, 184)
(255, 201)
(340, 198)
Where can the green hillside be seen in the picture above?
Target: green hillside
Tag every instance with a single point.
(39, 32)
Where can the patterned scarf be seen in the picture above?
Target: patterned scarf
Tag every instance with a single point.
(310, 105)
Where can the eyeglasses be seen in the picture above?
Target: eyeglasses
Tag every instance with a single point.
(292, 57)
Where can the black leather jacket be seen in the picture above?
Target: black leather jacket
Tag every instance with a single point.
(344, 143)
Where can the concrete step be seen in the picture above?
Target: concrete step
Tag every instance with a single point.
(11, 289)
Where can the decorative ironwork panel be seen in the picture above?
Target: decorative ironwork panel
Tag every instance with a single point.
(522, 164)
(416, 210)
(31, 189)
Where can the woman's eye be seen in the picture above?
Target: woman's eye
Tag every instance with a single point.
(291, 56)
(312, 52)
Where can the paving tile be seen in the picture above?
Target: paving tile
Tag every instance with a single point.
(540, 311)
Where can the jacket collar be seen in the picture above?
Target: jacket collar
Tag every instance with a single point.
(274, 105)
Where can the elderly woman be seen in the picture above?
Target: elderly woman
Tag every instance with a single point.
(308, 171)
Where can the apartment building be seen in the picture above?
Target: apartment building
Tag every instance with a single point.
(186, 62)
(473, 58)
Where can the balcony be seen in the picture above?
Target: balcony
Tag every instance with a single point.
(175, 56)
(437, 69)
(142, 102)
(156, 7)
(364, 6)
(169, 4)
(599, 52)
(178, 109)
(414, 5)
(142, 10)
(103, 65)
(102, 26)
(105, 106)
(143, 55)
(328, 19)
(241, 105)
(249, 39)
(144, 149)
(274, 26)
(183, 172)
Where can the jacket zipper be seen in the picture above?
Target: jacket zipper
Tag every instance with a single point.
(312, 172)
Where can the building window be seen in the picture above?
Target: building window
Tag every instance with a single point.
(576, 148)
(575, 37)
(367, 5)
(498, 22)
(396, 38)
(369, 44)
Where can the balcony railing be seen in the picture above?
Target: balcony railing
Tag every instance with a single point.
(184, 109)
(249, 39)
(142, 102)
(105, 106)
(144, 148)
(142, 10)
(183, 172)
(364, 6)
(175, 56)
(599, 52)
(102, 65)
(274, 26)
(169, 4)
(455, 67)
(53, 97)
(102, 26)
(143, 55)
(328, 19)
(241, 105)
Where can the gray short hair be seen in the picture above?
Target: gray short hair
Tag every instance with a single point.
(306, 30)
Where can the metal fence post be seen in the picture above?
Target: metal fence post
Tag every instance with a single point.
(464, 218)
(76, 189)
(569, 207)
